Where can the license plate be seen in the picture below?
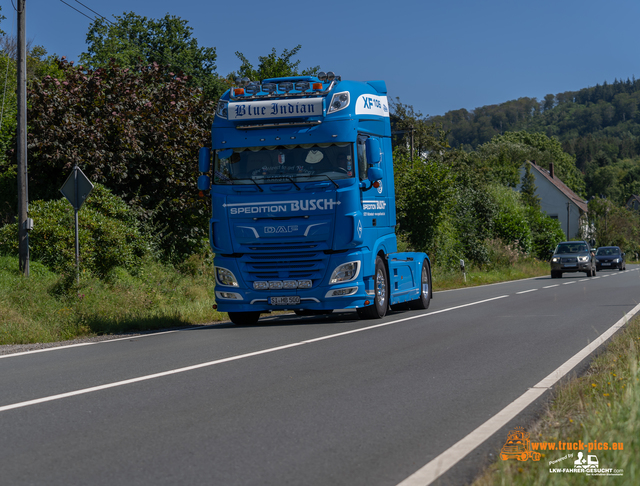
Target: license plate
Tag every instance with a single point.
(570, 265)
(288, 300)
(605, 264)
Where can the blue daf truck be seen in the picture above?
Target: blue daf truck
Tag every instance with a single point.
(300, 174)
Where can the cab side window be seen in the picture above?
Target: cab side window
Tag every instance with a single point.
(362, 157)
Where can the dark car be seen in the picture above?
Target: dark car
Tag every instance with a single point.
(610, 257)
(573, 256)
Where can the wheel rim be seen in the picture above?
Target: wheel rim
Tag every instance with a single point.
(425, 282)
(381, 288)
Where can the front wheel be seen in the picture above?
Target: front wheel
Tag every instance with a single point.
(244, 318)
(381, 300)
(425, 289)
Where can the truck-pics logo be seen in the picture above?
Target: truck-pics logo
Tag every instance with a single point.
(282, 206)
(518, 446)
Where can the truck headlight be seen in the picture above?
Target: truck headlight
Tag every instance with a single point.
(222, 110)
(339, 101)
(226, 277)
(345, 272)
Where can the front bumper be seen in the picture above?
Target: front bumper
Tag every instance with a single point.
(571, 267)
(353, 294)
(608, 265)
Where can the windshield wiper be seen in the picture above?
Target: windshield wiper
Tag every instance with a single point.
(319, 175)
(291, 180)
(249, 179)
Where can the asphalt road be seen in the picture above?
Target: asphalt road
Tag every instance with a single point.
(300, 401)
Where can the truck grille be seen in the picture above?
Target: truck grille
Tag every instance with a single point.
(294, 265)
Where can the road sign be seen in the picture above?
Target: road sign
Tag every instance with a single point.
(76, 189)
(68, 189)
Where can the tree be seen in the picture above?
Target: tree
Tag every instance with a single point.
(137, 131)
(272, 66)
(167, 41)
(528, 189)
(504, 154)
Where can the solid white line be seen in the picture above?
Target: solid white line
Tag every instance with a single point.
(525, 291)
(551, 286)
(56, 348)
(449, 458)
(226, 360)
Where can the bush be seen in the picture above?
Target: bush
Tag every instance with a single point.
(546, 232)
(510, 224)
(108, 234)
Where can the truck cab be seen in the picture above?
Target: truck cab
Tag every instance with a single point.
(300, 174)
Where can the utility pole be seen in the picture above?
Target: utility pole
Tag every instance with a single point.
(23, 223)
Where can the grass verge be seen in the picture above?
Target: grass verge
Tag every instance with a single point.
(444, 279)
(48, 307)
(602, 405)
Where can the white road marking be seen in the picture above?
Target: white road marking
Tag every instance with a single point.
(56, 348)
(226, 360)
(551, 286)
(568, 283)
(525, 291)
(449, 458)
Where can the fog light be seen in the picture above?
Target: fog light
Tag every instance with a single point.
(261, 285)
(275, 285)
(342, 292)
(290, 284)
(304, 284)
(228, 295)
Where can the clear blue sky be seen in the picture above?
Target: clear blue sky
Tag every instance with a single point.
(436, 56)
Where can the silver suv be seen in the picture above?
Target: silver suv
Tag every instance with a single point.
(573, 256)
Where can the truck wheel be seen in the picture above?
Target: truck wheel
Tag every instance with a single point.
(425, 289)
(244, 318)
(381, 300)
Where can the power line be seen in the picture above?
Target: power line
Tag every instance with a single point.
(105, 18)
(82, 13)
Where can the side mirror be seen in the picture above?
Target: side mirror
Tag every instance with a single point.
(374, 174)
(372, 146)
(204, 183)
(204, 159)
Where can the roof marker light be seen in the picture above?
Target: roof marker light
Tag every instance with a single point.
(269, 88)
(238, 91)
(252, 88)
(302, 85)
(317, 86)
(286, 86)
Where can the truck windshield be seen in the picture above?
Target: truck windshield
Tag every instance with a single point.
(284, 163)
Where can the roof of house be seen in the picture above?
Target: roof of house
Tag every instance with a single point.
(632, 199)
(562, 187)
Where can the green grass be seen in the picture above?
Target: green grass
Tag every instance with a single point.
(602, 405)
(47, 307)
(454, 279)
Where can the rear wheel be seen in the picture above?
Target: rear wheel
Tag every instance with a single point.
(381, 299)
(244, 318)
(425, 289)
